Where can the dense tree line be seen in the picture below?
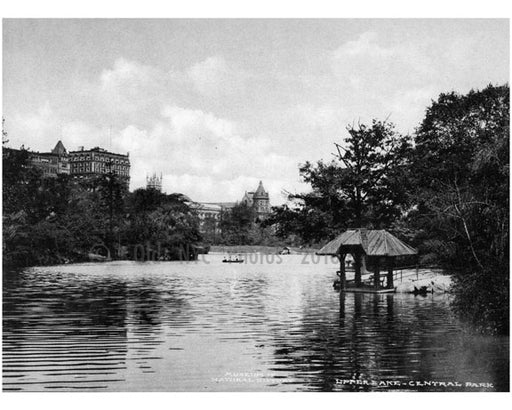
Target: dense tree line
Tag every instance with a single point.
(56, 220)
(240, 225)
(62, 219)
(445, 190)
(460, 174)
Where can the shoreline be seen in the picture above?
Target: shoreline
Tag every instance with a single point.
(271, 250)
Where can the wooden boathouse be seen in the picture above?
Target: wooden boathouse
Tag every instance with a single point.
(379, 247)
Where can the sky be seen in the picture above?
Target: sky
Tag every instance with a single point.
(218, 105)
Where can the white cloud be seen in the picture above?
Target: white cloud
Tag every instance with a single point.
(205, 154)
(373, 67)
(214, 77)
(189, 122)
(133, 90)
(127, 72)
(130, 86)
(323, 116)
(365, 45)
(32, 129)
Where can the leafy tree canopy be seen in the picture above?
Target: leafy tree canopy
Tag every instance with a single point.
(460, 174)
(364, 186)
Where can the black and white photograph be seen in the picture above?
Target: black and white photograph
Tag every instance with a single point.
(255, 205)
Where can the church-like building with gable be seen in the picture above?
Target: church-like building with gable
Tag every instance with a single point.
(259, 200)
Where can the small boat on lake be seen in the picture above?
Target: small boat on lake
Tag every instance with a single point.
(96, 257)
(285, 251)
(236, 260)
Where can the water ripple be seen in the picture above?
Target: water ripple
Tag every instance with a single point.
(207, 326)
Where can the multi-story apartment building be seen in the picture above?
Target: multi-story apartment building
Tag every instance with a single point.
(98, 161)
(82, 163)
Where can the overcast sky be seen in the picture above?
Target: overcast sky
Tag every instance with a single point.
(217, 105)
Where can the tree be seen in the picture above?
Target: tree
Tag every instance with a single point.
(373, 181)
(162, 222)
(365, 186)
(460, 175)
(35, 213)
(145, 200)
(236, 225)
(20, 181)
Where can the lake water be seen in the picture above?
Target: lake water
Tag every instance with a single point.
(273, 324)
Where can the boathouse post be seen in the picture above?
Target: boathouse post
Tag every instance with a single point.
(343, 276)
(389, 281)
(357, 267)
(342, 308)
(376, 275)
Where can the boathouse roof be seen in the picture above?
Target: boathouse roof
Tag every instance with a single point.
(373, 243)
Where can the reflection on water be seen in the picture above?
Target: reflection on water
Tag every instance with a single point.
(199, 326)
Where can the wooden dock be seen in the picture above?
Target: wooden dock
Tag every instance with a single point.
(351, 287)
(368, 290)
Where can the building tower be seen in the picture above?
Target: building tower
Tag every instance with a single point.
(261, 201)
(154, 182)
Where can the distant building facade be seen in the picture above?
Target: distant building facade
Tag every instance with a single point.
(52, 163)
(210, 212)
(82, 163)
(259, 200)
(209, 217)
(98, 161)
(154, 182)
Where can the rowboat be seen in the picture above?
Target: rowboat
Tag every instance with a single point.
(232, 261)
